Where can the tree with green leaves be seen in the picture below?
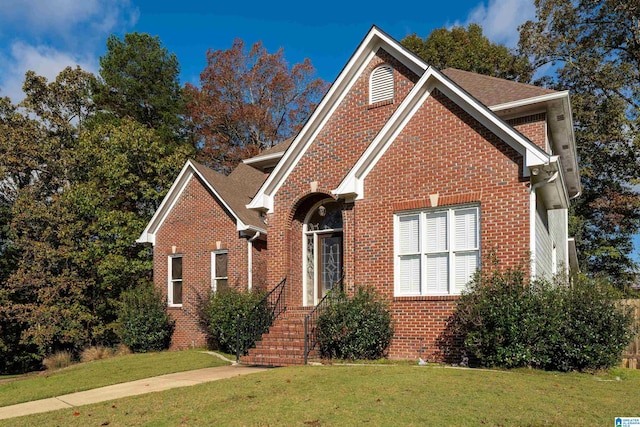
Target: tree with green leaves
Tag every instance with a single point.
(139, 79)
(593, 46)
(248, 101)
(78, 192)
(468, 49)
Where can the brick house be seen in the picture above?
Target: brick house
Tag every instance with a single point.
(401, 179)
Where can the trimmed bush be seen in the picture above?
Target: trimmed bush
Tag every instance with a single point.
(506, 321)
(357, 327)
(218, 317)
(143, 322)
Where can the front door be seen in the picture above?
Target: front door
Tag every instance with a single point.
(329, 261)
(322, 256)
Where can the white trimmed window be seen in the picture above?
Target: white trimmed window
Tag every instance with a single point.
(219, 274)
(174, 291)
(436, 250)
(381, 84)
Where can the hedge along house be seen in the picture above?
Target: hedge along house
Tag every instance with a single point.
(401, 179)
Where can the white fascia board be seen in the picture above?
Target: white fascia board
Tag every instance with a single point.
(241, 226)
(148, 235)
(367, 49)
(260, 159)
(533, 154)
(352, 186)
(530, 101)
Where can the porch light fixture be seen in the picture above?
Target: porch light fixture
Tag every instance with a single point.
(322, 211)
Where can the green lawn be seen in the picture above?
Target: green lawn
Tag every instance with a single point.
(373, 395)
(84, 376)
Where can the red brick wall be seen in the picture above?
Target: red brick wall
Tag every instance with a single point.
(533, 127)
(338, 146)
(194, 226)
(259, 261)
(442, 150)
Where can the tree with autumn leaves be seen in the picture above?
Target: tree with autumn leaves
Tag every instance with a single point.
(248, 101)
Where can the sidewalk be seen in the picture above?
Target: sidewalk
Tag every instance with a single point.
(116, 391)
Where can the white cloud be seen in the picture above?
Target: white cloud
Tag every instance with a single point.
(48, 35)
(62, 17)
(45, 61)
(500, 19)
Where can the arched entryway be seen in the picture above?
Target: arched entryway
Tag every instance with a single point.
(322, 250)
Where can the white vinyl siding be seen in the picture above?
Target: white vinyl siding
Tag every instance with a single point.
(381, 84)
(544, 243)
(437, 250)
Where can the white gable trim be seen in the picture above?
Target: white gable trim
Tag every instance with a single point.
(172, 197)
(352, 186)
(373, 41)
(530, 101)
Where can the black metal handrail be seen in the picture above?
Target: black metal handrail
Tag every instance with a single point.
(259, 319)
(311, 319)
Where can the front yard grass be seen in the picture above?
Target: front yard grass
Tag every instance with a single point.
(373, 395)
(99, 373)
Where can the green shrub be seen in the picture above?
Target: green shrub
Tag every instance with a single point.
(357, 327)
(596, 329)
(506, 321)
(218, 318)
(143, 322)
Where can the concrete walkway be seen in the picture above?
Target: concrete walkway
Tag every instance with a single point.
(116, 391)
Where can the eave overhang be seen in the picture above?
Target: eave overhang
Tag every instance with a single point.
(550, 179)
(188, 171)
(557, 107)
(352, 186)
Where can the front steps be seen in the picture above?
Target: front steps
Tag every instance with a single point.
(283, 345)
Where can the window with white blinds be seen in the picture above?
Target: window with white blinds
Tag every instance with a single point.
(381, 84)
(437, 250)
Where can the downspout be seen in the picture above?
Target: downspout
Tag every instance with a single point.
(250, 260)
(532, 219)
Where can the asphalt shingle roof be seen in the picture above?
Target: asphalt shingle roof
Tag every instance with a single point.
(237, 189)
(492, 90)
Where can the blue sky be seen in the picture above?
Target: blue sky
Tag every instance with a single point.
(46, 35)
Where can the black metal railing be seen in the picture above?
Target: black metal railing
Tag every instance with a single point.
(311, 319)
(259, 319)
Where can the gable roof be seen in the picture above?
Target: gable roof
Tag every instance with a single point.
(352, 185)
(430, 78)
(233, 192)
